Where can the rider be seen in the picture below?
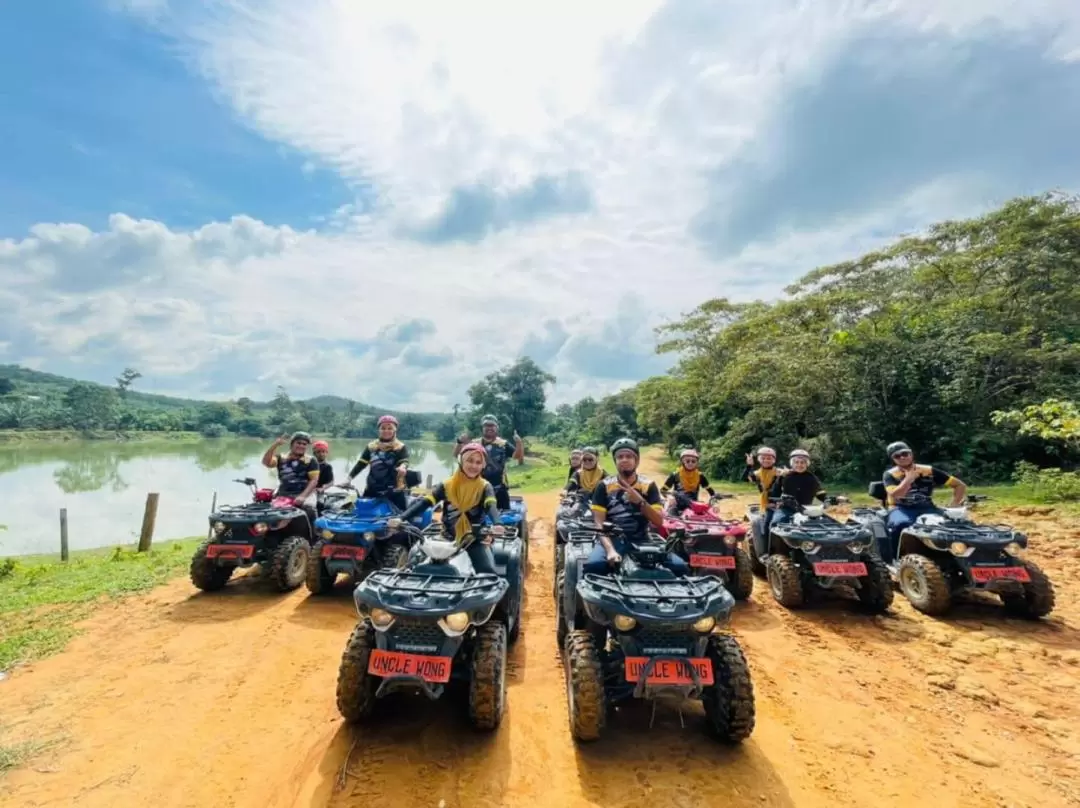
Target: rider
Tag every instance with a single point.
(585, 479)
(575, 464)
(321, 450)
(910, 489)
(682, 486)
(467, 496)
(798, 483)
(298, 474)
(632, 503)
(387, 460)
(498, 453)
(764, 478)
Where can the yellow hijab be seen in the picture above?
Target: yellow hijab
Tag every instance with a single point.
(588, 478)
(464, 493)
(689, 480)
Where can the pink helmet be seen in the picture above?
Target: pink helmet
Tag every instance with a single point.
(320, 444)
(471, 447)
(766, 450)
(388, 419)
(689, 453)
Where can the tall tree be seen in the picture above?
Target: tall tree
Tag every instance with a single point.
(90, 406)
(515, 394)
(125, 380)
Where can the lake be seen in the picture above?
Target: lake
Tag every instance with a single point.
(104, 484)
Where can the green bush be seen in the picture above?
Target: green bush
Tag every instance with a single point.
(1049, 485)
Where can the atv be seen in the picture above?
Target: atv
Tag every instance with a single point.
(649, 635)
(516, 518)
(572, 516)
(945, 552)
(356, 542)
(569, 613)
(814, 551)
(271, 531)
(423, 627)
(713, 546)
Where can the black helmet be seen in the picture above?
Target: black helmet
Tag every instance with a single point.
(590, 450)
(489, 419)
(896, 446)
(625, 443)
(300, 436)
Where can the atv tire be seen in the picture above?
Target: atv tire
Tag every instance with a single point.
(288, 564)
(393, 556)
(318, 579)
(487, 679)
(1038, 597)
(924, 584)
(729, 702)
(740, 581)
(560, 559)
(585, 696)
(355, 686)
(875, 591)
(560, 611)
(785, 582)
(206, 574)
(756, 564)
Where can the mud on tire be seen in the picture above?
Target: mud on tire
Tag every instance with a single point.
(318, 579)
(1038, 597)
(586, 700)
(487, 680)
(784, 581)
(287, 571)
(923, 582)
(740, 581)
(355, 686)
(560, 559)
(729, 703)
(560, 611)
(875, 591)
(514, 612)
(756, 565)
(205, 573)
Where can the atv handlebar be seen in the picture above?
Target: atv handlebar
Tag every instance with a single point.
(248, 481)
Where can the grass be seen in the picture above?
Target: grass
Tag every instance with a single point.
(544, 470)
(42, 598)
(16, 754)
(14, 436)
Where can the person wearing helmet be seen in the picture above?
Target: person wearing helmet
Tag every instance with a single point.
(387, 461)
(799, 483)
(499, 452)
(585, 479)
(632, 503)
(763, 478)
(683, 485)
(298, 474)
(321, 450)
(467, 497)
(910, 490)
(575, 464)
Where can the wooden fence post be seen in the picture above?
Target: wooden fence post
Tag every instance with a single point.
(63, 535)
(213, 507)
(146, 536)
(429, 482)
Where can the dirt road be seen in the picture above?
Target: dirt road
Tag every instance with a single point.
(186, 699)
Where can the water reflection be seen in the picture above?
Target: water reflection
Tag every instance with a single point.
(104, 485)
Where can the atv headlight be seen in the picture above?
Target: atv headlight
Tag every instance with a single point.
(219, 527)
(327, 534)
(730, 540)
(259, 528)
(368, 536)
(624, 622)
(704, 625)
(1013, 548)
(457, 622)
(957, 548)
(380, 618)
(856, 548)
(807, 546)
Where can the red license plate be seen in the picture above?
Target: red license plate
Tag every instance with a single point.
(670, 671)
(395, 663)
(855, 569)
(230, 551)
(343, 551)
(984, 574)
(712, 561)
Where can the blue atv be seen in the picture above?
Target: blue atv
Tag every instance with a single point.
(649, 636)
(422, 627)
(517, 519)
(356, 541)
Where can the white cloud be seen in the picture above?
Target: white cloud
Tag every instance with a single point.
(478, 116)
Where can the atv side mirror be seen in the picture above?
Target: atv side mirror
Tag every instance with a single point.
(250, 481)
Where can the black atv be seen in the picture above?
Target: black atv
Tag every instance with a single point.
(426, 626)
(649, 635)
(572, 516)
(945, 552)
(812, 550)
(569, 613)
(271, 531)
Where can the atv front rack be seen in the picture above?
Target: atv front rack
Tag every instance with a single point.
(667, 600)
(818, 532)
(414, 593)
(969, 533)
(252, 513)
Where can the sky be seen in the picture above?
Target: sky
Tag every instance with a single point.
(388, 201)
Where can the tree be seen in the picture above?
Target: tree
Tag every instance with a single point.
(215, 414)
(515, 394)
(281, 407)
(245, 405)
(90, 406)
(1053, 421)
(7, 386)
(125, 380)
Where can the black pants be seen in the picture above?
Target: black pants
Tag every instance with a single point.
(502, 497)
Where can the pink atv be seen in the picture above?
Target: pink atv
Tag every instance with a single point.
(714, 546)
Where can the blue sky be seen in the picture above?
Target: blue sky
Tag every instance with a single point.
(386, 202)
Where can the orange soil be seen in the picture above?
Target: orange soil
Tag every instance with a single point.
(179, 698)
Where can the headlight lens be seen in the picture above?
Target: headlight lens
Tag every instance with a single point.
(958, 548)
(219, 527)
(1013, 548)
(368, 536)
(260, 527)
(730, 541)
(327, 534)
(807, 546)
(381, 618)
(457, 621)
(856, 548)
(705, 625)
(624, 622)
